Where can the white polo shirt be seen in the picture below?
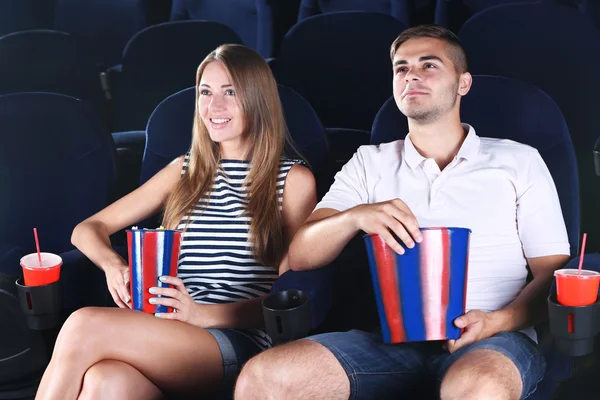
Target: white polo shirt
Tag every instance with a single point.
(498, 188)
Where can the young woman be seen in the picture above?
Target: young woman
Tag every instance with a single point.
(239, 202)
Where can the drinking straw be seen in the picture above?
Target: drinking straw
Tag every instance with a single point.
(582, 253)
(37, 246)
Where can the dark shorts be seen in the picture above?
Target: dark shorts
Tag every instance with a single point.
(380, 371)
(236, 349)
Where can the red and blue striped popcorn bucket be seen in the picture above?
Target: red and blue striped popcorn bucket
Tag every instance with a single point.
(152, 254)
(420, 293)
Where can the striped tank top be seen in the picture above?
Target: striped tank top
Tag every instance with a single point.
(216, 262)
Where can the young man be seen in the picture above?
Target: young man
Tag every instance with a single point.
(442, 174)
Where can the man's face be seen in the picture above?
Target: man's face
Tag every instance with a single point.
(426, 84)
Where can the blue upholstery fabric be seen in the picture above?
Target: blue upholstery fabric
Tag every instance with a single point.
(252, 20)
(159, 61)
(509, 109)
(48, 61)
(317, 285)
(169, 130)
(88, 21)
(9, 259)
(453, 13)
(400, 9)
(340, 63)
(56, 168)
(83, 283)
(559, 33)
(592, 9)
(22, 15)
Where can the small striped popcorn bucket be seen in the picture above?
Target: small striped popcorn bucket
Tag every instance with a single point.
(152, 254)
(420, 293)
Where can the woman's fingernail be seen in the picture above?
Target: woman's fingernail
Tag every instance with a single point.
(152, 300)
(127, 299)
(152, 290)
(162, 278)
(158, 315)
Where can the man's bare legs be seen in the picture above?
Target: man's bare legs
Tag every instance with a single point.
(298, 370)
(482, 374)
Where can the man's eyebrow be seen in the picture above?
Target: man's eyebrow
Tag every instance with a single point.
(428, 58)
(421, 59)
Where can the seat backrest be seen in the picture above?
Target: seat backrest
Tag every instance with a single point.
(160, 61)
(400, 9)
(548, 34)
(169, 130)
(48, 61)
(252, 20)
(88, 21)
(452, 14)
(57, 168)
(340, 63)
(22, 15)
(508, 109)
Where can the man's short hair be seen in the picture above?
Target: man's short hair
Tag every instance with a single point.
(455, 50)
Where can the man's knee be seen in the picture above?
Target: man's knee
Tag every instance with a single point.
(261, 376)
(484, 374)
(288, 371)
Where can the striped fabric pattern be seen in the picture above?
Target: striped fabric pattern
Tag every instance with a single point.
(216, 262)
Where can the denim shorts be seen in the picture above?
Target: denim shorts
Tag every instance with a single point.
(381, 371)
(236, 349)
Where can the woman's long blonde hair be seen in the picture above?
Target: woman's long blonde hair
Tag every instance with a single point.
(266, 135)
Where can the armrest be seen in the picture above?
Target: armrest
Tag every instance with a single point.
(83, 283)
(10, 255)
(317, 284)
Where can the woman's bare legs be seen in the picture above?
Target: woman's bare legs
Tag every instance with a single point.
(110, 379)
(174, 356)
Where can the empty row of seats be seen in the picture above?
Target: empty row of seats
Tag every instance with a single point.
(259, 23)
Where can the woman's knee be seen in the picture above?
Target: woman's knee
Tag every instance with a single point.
(103, 380)
(77, 333)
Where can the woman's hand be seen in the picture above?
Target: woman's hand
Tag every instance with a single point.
(185, 309)
(117, 280)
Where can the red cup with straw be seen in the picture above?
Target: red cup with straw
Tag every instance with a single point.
(40, 268)
(577, 287)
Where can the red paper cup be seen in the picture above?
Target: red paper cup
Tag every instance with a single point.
(35, 274)
(576, 288)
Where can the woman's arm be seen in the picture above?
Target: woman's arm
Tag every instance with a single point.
(92, 236)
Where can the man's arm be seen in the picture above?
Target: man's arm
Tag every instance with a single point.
(321, 239)
(526, 310)
(530, 308)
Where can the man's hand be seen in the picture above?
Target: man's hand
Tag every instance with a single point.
(394, 216)
(477, 325)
